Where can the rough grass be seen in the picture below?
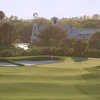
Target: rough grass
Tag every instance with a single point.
(72, 79)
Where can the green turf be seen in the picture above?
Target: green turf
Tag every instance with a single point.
(72, 79)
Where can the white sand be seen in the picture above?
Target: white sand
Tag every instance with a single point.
(6, 64)
(27, 62)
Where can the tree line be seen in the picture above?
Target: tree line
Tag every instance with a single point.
(52, 40)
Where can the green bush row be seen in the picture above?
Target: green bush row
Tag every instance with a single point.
(10, 52)
(53, 51)
(49, 51)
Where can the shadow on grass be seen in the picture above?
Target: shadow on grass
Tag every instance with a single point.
(94, 73)
(98, 67)
(91, 76)
(48, 99)
(79, 59)
(91, 85)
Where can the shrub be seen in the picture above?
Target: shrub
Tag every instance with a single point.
(7, 52)
(93, 53)
(53, 51)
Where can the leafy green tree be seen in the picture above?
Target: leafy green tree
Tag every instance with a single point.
(54, 20)
(7, 34)
(2, 15)
(80, 48)
(52, 35)
(96, 17)
(41, 21)
(25, 32)
(94, 41)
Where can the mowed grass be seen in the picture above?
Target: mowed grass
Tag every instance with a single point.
(71, 79)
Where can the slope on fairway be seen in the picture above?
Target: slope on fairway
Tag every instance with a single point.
(73, 79)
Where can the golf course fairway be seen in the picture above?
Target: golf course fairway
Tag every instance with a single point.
(71, 79)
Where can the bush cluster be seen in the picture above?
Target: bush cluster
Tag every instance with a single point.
(50, 51)
(53, 51)
(11, 52)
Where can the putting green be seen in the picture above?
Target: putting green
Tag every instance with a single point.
(72, 79)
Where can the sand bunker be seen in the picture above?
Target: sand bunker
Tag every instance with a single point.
(27, 62)
(6, 64)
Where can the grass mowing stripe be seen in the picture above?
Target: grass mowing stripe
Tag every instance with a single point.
(67, 80)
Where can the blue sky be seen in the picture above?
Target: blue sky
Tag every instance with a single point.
(49, 8)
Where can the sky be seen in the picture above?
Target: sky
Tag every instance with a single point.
(49, 8)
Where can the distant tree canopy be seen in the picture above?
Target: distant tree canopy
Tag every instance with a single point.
(25, 31)
(80, 47)
(52, 35)
(24, 28)
(52, 38)
(54, 20)
(41, 21)
(2, 15)
(83, 21)
(7, 34)
(96, 17)
(94, 41)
